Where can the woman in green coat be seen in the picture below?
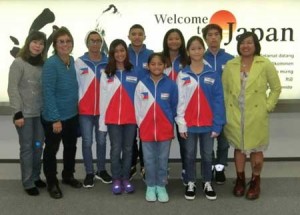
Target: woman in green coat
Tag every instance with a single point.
(251, 90)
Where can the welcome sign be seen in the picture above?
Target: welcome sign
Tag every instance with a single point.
(274, 23)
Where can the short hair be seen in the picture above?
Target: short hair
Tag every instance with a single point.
(210, 27)
(245, 35)
(60, 32)
(137, 26)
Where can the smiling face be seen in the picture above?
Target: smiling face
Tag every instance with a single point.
(120, 54)
(137, 37)
(196, 50)
(174, 41)
(64, 45)
(36, 47)
(156, 66)
(247, 47)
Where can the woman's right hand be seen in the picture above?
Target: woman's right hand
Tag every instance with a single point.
(57, 127)
(19, 122)
(184, 135)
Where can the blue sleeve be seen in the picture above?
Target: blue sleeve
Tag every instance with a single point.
(219, 116)
(49, 77)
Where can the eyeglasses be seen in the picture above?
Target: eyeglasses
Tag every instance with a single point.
(94, 42)
(62, 42)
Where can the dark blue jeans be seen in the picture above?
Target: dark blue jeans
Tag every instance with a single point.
(121, 140)
(221, 155)
(206, 144)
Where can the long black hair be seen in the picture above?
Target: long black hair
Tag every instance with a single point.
(111, 67)
(182, 50)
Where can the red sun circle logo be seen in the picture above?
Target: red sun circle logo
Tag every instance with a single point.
(222, 18)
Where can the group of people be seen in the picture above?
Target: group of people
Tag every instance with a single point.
(138, 97)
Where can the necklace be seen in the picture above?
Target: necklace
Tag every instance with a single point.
(66, 61)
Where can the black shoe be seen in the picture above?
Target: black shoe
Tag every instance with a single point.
(209, 191)
(220, 175)
(72, 182)
(88, 181)
(55, 192)
(190, 191)
(132, 172)
(40, 184)
(104, 177)
(32, 191)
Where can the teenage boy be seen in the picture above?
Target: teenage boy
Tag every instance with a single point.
(138, 56)
(89, 68)
(217, 58)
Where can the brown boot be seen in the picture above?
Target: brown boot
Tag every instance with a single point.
(240, 184)
(254, 189)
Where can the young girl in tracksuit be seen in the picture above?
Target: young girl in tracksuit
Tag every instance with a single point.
(155, 101)
(200, 115)
(117, 115)
(176, 59)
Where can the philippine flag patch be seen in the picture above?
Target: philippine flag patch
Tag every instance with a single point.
(186, 80)
(84, 71)
(110, 79)
(145, 95)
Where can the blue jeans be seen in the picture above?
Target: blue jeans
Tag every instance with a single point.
(156, 155)
(121, 140)
(30, 153)
(221, 156)
(206, 148)
(89, 124)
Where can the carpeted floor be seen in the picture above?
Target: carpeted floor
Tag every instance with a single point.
(280, 196)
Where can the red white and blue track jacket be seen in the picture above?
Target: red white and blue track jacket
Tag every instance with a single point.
(88, 76)
(155, 108)
(201, 101)
(173, 70)
(117, 98)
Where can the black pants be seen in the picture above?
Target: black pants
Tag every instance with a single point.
(68, 135)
